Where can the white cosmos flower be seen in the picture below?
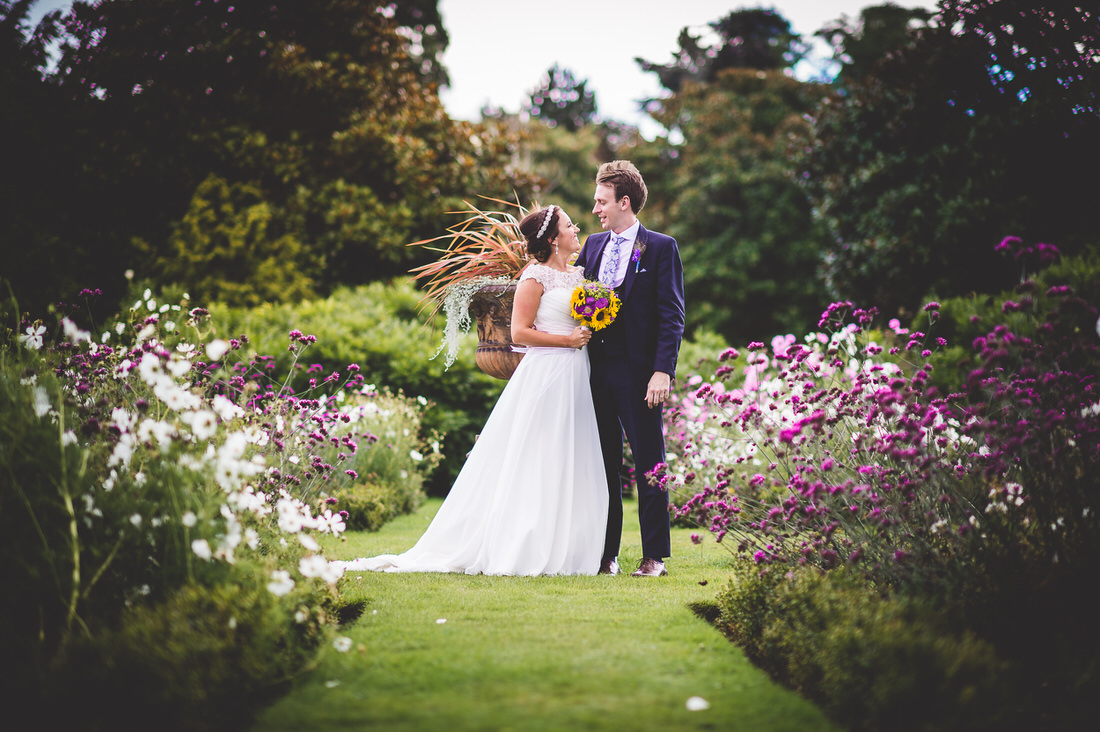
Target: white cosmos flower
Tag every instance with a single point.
(190, 519)
(234, 447)
(309, 542)
(149, 368)
(122, 453)
(697, 704)
(280, 583)
(204, 424)
(290, 519)
(342, 644)
(312, 566)
(226, 409)
(41, 401)
(201, 547)
(317, 566)
(216, 348)
(332, 522)
(301, 615)
(33, 338)
(74, 333)
(179, 367)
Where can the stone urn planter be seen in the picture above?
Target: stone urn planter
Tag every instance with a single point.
(491, 308)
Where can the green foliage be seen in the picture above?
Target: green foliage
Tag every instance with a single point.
(747, 235)
(567, 163)
(156, 534)
(225, 249)
(390, 470)
(965, 318)
(562, 100)
(880, 29)
(753, 38)
(982, 126)
(871, 661)
(320, 120)
(699, 354)
(206, 658)
(379, 328)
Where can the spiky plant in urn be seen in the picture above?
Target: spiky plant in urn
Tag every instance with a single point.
(476, 275)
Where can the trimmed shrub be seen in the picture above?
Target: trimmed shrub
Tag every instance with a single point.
(872, 661)
(207, 658)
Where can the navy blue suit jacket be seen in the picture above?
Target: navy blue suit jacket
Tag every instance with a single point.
(652, 294)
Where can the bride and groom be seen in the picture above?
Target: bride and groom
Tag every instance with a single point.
(540, 492)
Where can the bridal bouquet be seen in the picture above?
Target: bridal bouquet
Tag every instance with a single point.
(595, 304)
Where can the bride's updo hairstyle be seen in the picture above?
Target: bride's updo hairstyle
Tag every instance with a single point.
(538, 228)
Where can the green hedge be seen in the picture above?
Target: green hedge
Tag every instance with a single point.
(871, 660)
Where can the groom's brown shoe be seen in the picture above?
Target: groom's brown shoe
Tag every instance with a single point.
(609, 566)
(650, 568)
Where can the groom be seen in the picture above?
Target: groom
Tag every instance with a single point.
(633, 359)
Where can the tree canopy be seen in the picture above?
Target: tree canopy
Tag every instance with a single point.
(325, 111)
(984, 125)
(747, 39)
(562, 99)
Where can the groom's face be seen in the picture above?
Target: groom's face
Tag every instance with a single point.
(615, 215)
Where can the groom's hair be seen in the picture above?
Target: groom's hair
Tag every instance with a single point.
(626, 180)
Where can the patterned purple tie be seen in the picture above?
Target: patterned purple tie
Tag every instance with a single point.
(610, 265)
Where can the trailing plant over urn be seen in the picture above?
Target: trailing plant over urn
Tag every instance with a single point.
(486, 248)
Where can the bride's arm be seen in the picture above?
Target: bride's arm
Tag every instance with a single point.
(524, 307)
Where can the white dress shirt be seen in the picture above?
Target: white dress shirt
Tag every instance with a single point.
(627, 247)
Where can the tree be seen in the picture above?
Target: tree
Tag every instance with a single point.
(747, 39)
(881, 29)
(326, 110)
(983, 126)
(747, 235)
(746, 230)
(562, 100)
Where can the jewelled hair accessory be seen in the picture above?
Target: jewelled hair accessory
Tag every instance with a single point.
(545, 221)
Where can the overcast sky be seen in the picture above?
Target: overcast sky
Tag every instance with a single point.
(499, 49)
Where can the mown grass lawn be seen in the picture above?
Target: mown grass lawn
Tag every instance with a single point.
(536, 653)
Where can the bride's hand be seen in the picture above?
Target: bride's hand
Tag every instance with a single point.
(579, 337)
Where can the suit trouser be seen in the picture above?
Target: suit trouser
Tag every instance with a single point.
(619, 400)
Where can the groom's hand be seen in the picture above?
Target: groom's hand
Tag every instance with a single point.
(658, 390)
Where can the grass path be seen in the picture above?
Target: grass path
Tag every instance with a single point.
(536, 653)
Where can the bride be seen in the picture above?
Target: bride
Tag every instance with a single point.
(532, 496)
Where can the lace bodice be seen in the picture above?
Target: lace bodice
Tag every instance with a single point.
(554, 314)
(552, 279)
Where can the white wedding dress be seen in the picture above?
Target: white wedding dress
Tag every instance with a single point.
(531, 498)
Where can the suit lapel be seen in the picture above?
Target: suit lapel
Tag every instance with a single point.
(595, 245)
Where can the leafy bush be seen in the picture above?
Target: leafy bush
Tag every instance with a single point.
(379, 328)
(965, 511)
(871, 661)
(148, 475)
(204, 658)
